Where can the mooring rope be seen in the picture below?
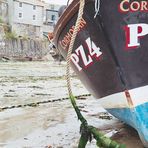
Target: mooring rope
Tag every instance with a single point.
(97, 7)
(86, 130)
(81, 7)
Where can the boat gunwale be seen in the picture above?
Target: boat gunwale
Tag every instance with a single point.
(69, 12)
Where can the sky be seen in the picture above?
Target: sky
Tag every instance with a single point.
(60, 2)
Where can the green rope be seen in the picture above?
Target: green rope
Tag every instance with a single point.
(88, 131)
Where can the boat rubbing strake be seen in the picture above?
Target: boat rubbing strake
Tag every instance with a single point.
(110, 56)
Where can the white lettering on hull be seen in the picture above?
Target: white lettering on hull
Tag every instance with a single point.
(134, 32)
(87, 59)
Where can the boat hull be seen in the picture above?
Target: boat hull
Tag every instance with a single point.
(134, 117)
(110, 56)
(135, 113)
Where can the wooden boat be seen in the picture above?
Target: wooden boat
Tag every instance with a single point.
(110, 56)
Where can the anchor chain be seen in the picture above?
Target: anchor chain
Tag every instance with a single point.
(34, 104)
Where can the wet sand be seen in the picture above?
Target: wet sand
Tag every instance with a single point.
(52, 124)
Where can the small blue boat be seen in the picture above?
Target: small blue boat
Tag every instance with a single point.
(110, 56)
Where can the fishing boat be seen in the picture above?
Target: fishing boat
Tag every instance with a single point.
(110, 56)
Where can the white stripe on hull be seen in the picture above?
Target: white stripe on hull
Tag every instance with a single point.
(117, 100)
(138, 96)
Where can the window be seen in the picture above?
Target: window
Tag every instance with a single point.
(34, 7)
(34, 17)
(20, 15)
(52, 7)
(53, 17)
(5, 5)
(20, 4)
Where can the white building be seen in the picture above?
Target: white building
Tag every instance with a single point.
(30, 18)
(50, 17)
(4, 11)
(26, 17)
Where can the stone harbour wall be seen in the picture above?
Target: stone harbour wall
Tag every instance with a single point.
(22, 48)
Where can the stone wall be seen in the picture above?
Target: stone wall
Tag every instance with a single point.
(2, 33)
(21, 48)
(27, 30)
